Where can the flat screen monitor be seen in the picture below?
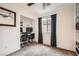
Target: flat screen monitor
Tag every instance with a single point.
(29, 29)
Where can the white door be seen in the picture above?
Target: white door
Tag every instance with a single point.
(46, 30)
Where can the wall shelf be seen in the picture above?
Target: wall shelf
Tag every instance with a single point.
(77, 16)
(77, 41)
(77, 48)
(77, 31)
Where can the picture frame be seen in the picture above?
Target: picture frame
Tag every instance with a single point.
(7, 17)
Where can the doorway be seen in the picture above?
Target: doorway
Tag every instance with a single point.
(26, 31)
(49, 30)
(46, 29)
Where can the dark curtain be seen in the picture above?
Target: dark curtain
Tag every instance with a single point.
(53, 30)
(40, 35)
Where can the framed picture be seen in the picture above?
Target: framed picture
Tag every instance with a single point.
(7, 17)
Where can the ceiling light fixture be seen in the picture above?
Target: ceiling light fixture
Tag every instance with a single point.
(45, 5)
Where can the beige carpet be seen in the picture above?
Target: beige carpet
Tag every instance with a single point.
(41, 50)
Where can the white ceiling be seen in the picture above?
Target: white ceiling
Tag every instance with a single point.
(37, 9)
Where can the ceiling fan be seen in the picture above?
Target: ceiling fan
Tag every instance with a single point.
(44, 5)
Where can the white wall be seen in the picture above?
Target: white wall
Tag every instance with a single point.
(36, 29)
(10, 36)
(66, 28)
(1, 46)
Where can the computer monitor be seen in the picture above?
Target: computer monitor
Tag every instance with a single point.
(29, 29)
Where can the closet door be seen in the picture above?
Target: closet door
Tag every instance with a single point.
(46, 27)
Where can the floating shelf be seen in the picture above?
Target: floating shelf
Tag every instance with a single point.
(77, 48)
(77, 31)
(77, 51)
(77, 16)
(77, 41)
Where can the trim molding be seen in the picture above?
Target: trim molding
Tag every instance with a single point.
(66, 50)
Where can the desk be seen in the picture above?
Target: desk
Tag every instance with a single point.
(26, 38)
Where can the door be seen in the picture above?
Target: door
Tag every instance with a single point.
(46, 27)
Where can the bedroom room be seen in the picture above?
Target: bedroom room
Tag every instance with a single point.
(39, 29)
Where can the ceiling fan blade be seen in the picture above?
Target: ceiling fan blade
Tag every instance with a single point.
(30, 4)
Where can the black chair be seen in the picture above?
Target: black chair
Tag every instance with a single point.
(23, 39)
(32, 35)
(29, 37)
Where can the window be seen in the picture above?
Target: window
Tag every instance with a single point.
(46, 25)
